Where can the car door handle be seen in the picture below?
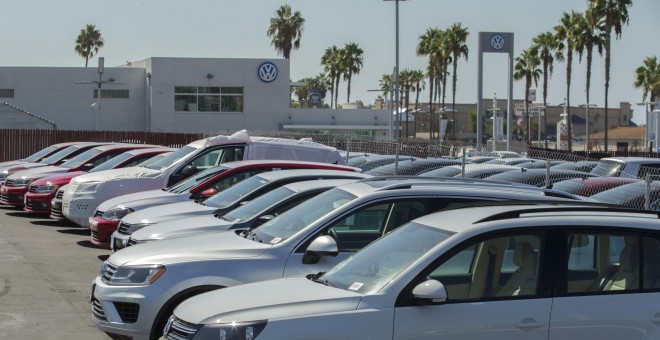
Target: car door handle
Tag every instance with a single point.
(530, 323)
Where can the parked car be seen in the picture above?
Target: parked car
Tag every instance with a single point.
(592, 185)
(33, 158)
(636, 167)
(584, 166)
(195, 188)
(538, 177)
(471, 170)
(500, 272)
(247, 216)
(41, 191)
(16, 186)
(85, 193)
(412, 167)
(224, 201)
(380, 160)
(56, 158)
(138, 287)
(540, 163)
(636, 195)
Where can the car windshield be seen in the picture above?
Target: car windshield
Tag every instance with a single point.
(81, 159)
(171, 158)
(153, 159)
(291, 222)
(37, 155)
(235, 193)
(370, 269)
(608, 169)
(255, 207)
(111, 163)
(59, 155)
(570, 186)
(200, 177)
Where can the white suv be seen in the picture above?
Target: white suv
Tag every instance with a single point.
(139, 286)
(518, 271)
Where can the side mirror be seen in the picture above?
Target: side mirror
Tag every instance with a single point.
(208, 192)
(189, 170)
(322, 246)
(430, 292)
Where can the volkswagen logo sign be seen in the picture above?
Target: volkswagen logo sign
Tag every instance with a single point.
(267, 71)
(497, 42)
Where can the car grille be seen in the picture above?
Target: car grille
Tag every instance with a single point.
(9, 182)
(59, 195)
(123, 228)
(128, 312)
(97, 310)
(108, 270)
(178, 329)
(98, 213)
(10, 199)
(131, 242)
(32, 188)
(95, 235)
(56, 211)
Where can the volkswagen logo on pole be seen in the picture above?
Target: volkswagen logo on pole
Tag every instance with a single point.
(497, 42)
(267, 71)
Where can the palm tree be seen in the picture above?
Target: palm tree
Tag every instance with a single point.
(546, 45)
(527, 67)
(590, 36)
(614, 14)
(353, 62)
(455, 45)
(430, 43)
(417, 77)
(647, 77)
(568, 33)
(302, 92)
(333, 64)
(89, 42)
(285, 30)
(405, 85)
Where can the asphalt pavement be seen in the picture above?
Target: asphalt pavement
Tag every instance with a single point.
(46, 270)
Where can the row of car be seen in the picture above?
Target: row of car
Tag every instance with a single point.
(451, 256)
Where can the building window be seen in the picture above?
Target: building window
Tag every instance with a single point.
(6, 93)
(208, 99)
(111, 94)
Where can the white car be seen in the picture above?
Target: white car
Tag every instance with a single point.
(523, 271)
(85, 193)
(139, 286)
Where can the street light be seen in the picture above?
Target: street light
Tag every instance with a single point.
(586, 115)
(396, 68)
(98, 83)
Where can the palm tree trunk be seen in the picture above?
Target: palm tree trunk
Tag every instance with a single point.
(348, 88)
(528, 85)
(431, 80)
(589, 60)
(569, 60)
(608, 31)
(545, 99)
(453, 99)
(337, 92)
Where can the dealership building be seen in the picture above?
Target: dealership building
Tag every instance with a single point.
(211, 95)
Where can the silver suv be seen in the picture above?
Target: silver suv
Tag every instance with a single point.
(139, 287)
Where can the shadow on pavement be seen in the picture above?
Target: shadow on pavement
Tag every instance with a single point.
(87, 244)
(54, 223)
(76, 231)
(21, 214)
(103, 257)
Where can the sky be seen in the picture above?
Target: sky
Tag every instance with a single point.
(43, 33)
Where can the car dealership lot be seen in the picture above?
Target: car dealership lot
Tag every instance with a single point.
(46, 269)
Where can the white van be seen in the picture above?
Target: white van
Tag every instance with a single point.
(85, 193)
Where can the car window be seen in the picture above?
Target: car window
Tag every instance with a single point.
(501, 266)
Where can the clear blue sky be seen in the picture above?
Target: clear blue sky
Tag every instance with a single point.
(43, 33)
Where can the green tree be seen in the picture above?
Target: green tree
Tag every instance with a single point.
(647, 77)
(285, 30)
(613, 14)
(456, 37)
(547, 47)
(417, 78)
(333, 64)
(89, 42)
(431, 44)
(527, 67)
(353, 64)
(568, 33)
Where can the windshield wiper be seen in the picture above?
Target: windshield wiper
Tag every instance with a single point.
(253, 235)
(324, 282)
(221, 217)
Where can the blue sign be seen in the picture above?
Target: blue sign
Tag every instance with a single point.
(314, 97)
(497, 42)
(267, 71)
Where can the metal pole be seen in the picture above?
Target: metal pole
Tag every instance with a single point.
(396, 81)
(480, 84)
(647, 194)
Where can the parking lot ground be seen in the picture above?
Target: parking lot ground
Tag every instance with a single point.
(46, 270)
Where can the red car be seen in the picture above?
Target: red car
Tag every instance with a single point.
(199, 187)
(592, 185)
(42, 191)
(15, 187)
(35, 157)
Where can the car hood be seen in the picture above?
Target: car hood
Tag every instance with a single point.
(273, 299)
(143, 199)
(222, 245)
(38, 172)
(118, 174)
(167, 212)
(58, 179)
(10, 164)
(180, 227)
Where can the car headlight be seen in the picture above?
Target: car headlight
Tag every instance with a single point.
(87, 187)
(232, 331)
(131, 275)
(116, 214)
(23, 181)
(49, 188)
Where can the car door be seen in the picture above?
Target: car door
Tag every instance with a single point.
(611, 289)
(495, 290)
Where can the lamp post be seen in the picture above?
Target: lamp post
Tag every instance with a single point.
(586, 118)
(98, 83)
(396, 68)
(494, 110)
